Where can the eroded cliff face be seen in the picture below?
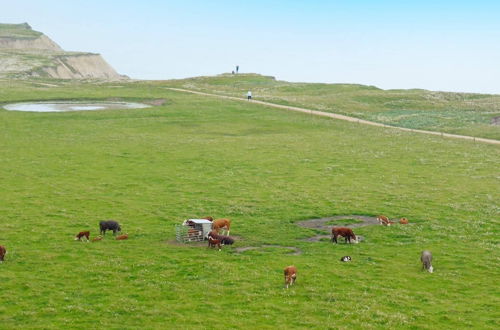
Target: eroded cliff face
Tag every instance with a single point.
(42, 42)
(90, 66)
(26, 53)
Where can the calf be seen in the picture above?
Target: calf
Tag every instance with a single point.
(212, 242)
(383, 220)
(225, 240)
(122, 237)
(3, 252)
(96, 239)
(109, 225)
(426, 259)
(345, 232)
(403, 221)
(345, 259)
(81, 234)
(290, 276)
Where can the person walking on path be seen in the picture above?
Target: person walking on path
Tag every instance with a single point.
(249, 95)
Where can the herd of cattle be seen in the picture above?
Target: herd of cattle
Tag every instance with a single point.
(215, 239)
(350, 237)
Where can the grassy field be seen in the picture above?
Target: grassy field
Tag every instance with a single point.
(263, 168)
(458, 113)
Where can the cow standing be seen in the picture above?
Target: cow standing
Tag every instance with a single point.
(426, 259)
(109, 225)
(290, 276)
(345, 232)
(3, 252)
(220, 224)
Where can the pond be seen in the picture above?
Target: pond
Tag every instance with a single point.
(72, 106)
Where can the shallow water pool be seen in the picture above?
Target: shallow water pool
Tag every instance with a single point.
(72, 106)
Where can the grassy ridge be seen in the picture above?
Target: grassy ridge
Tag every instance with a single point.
(18, 31)
(458, 113)
(263, 168)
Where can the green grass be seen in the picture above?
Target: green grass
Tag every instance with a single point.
(261, 167)
(458, 113)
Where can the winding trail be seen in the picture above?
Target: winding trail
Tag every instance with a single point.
(340, 117)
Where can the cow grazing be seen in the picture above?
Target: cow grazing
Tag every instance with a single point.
(290, 276)
(3, 252)
(403, 221)
(383, 220)
(345, 232)
(426, 259)
(109, 225)
(82, 234)
(212, 242)
(96, 239)
(345, 259)
(220, 224)
(122, 237)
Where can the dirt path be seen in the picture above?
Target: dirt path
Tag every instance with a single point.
(323, 224)
(342, 117)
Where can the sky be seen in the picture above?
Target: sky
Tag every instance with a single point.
(437, 45)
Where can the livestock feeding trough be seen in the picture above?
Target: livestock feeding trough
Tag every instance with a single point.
(193, 230)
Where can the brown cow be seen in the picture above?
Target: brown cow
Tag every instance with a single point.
(98, 238)
(81, 234)
(383, 220)
(290, 276)
(345, 232)
(3, 252)
(122, 237)
(403, 221)
(220, 224)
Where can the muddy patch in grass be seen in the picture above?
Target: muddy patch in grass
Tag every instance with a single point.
(326, 224)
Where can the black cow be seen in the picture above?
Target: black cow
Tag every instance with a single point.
(109, 225)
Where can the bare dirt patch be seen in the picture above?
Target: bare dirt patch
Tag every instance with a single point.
(325, 224)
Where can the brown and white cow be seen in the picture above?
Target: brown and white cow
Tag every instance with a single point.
(383, 220)
(96, 239)
(220, 224)
(82, 234)
(403, 221)
(290, 276)
(345, 232)
(3, 252)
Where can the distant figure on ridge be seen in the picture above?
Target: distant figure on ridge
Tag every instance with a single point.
(249, 95)
(237, 68)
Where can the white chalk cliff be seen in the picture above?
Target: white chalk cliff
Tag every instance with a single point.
(27, 53)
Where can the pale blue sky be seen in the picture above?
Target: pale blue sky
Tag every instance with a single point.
(438, 45)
